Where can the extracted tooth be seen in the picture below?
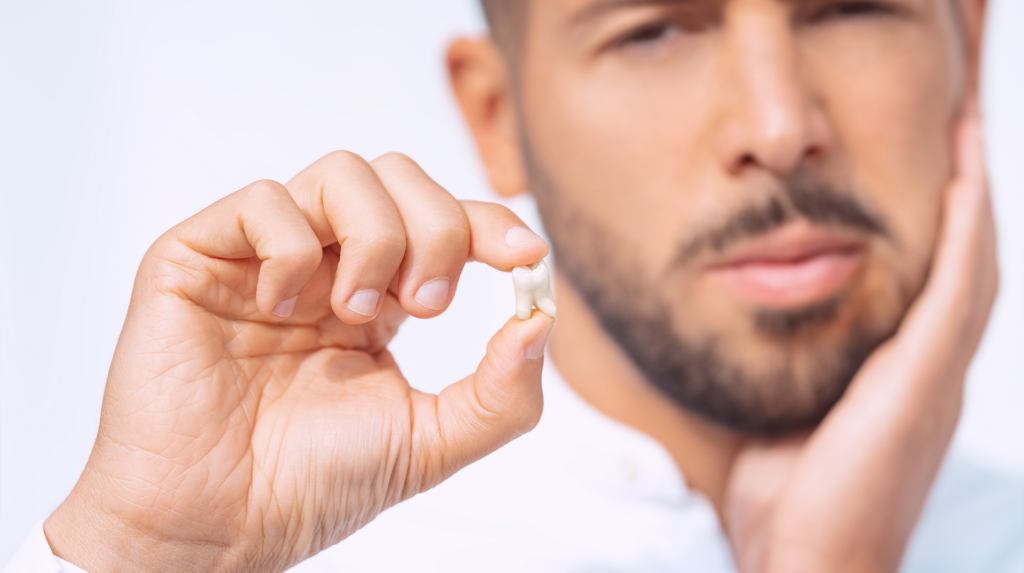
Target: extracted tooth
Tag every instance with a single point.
(533, 288)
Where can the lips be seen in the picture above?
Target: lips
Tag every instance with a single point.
(793, 266)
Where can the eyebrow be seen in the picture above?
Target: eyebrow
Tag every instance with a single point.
(598, 8)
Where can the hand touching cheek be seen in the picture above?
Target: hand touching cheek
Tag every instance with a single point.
(847, 497)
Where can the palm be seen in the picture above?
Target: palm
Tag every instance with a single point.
(267, 407)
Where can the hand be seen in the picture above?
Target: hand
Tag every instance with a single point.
(253, 415)
(846, 498)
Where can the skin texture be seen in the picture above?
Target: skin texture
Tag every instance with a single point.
(704, 111)
(763, 95)
(254, 417)
(243, 430)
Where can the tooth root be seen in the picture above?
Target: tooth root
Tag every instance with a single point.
(546, 303)
(524, 304)
(533, 288)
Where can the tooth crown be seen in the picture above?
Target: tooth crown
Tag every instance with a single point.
(533, 288)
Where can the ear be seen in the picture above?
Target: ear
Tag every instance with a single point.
(482, 84)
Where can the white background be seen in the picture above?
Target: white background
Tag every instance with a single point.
(120, 119)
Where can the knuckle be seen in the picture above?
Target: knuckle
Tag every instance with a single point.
(448, 237)
(165, 242)
(266, 188)
(481, 211)
(394, 159)
(342, 161)
(446, 221)
(295, 254)
(303, 255)
(382, 246)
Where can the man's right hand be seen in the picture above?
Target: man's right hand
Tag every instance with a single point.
(253, 415)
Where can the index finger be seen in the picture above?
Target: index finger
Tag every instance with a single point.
(501, 239)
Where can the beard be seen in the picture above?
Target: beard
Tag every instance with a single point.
(702, 370)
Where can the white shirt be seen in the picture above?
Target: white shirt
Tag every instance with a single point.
(582, 493)
(35, 556)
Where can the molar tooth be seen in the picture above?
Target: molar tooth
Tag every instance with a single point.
(533, 288)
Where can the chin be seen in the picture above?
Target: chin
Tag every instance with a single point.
(763, 371)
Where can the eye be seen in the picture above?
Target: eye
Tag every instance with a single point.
(854, 9)
(648, 35)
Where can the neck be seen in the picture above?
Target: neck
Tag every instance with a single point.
(600, 372)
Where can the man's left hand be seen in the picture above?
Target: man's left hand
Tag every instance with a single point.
(847, 496)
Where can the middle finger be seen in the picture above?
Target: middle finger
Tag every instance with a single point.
(437, 235)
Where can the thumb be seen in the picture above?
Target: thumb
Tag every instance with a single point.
(501, 401)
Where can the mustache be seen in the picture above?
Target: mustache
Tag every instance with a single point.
(818, 203)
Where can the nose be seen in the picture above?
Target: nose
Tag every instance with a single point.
(772, 119)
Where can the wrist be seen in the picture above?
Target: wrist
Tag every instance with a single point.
(83, 532)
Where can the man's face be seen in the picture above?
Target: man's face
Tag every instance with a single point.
(746, 192)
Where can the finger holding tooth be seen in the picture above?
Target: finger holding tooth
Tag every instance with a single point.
(533, 288)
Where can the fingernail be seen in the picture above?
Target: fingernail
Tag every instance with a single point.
(364, 302)
(285, 308)
(433, 294)
(535, 348)
(520, 236)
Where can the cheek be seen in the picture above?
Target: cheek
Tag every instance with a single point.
(627, 153)
(892, 105)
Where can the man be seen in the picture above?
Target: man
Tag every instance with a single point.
(774, 257)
